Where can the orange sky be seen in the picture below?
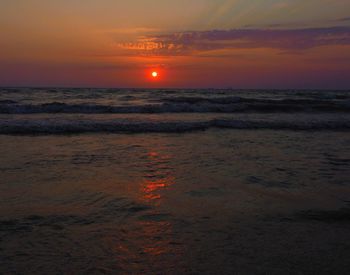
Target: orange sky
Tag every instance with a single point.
(193, 43)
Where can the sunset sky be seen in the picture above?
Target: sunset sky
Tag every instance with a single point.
(190, 43)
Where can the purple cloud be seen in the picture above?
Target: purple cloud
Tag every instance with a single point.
(184, 43)
(344, 19)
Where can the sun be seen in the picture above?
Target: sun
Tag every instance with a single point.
(154, 74)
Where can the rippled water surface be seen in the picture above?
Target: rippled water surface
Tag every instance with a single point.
(62, 111)
(260, 191)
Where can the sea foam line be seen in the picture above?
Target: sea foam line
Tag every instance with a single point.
(185, 105)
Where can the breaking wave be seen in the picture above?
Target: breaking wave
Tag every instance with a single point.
(185, 105)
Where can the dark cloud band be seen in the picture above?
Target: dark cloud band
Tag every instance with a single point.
(183, 43)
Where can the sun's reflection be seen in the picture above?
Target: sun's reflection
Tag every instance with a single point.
(150, 242)
(158, 175)
(151, 245)
(160, 244)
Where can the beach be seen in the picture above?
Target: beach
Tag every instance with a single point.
(170, 182)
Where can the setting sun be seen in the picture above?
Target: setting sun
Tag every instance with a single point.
(154, 74)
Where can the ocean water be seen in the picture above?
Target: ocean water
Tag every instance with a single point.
(123, 181)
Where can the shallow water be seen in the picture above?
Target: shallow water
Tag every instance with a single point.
(213, 190)
(219, 201)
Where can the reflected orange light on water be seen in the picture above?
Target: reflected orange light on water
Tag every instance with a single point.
(152, 187)
(145, 245)
(157, 176)
(152, 154)
(157, 246)
(154, 234)
(152, 237)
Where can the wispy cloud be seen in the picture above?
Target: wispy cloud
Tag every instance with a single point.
(188, 43)
(130, 30)
(344, 19)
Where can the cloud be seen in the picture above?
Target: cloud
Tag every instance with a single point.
(344, 19)
(192, 42)
(131, 30)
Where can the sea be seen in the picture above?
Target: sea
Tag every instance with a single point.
(171, 181)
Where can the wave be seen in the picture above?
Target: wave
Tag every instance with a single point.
(47, 127)
(7, 101)
(184, 105)
(269, 105)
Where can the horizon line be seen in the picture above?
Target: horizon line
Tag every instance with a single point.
(167, 88)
